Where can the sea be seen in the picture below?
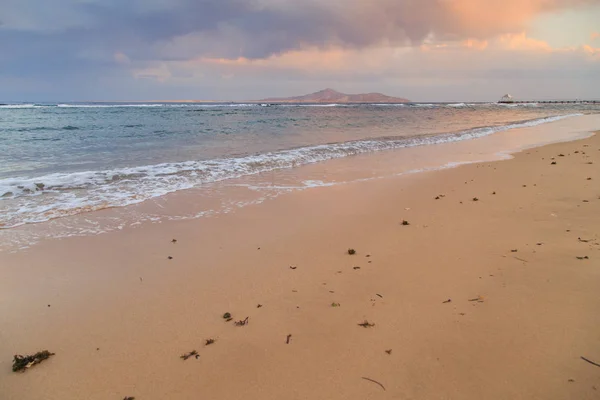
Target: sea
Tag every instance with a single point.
(62, 160)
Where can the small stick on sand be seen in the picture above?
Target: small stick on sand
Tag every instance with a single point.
(287, 340)
(520, 259)
(374, 381)
(590, 361)
(242, 322)
(192, 353)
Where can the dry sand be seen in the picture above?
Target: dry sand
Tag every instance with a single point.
(118, 313)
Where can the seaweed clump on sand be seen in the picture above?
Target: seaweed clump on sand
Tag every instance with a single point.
(351, 252)
(22, 363)
(366, 324)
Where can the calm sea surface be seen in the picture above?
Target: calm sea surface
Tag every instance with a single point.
(58, 160)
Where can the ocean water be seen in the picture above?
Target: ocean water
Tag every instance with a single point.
(59, 160)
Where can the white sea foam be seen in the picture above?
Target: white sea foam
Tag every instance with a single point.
(158, 105)
(17, 106)
(34, 199)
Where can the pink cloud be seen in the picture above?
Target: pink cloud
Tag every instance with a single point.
(595, 35)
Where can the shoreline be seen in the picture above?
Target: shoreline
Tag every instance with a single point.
(406, 159)
(532, 317)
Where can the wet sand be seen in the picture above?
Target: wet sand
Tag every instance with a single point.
(481, 299)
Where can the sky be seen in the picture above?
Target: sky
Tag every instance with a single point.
(424, 50)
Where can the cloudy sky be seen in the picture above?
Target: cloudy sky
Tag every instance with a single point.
(426, 50)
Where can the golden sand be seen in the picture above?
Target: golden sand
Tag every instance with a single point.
(486, 299)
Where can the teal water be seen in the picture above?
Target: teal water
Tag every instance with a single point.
(58, 160)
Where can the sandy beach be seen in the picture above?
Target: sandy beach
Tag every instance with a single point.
(489, 291)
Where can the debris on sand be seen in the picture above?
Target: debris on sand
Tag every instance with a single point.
(226, 315)
(209, 342)
(366, 324)
(192, 353)
(242, 322)
(356, 267)
(583, 258)
(351, 252)
(447, 301)
(22, 363)
(258, 305)
(584, 240)
(336, 305)
(292, 267)
(590, 361)
(475, 199)
(514, 250)
(374, 381)
(129, 398)
(170, 258)
(174, 241)
(389, 351)
(553, 163)
(478, 299)
(287, 340)
(405, 222)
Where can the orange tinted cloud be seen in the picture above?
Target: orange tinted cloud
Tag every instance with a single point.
(595, 35)
(522, 42)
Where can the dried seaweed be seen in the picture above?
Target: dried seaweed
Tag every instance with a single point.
(192, 353)
(366, 324)
(22, 363)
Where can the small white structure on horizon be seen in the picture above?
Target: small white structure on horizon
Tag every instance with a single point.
(507, 98)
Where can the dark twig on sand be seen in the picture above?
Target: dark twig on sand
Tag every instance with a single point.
(22, 363)
(192, 353)
(287, 340)
(447, 301)
(128, 398)
(366, 324)
(209, 342)
(374, 381)
(584, 240)
(590, 361)
(242, 322)
(520, 259)
(583, 258)
(379, 295)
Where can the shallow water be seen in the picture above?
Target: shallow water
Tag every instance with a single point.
(63, 160)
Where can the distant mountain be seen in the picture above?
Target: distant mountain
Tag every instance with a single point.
(332, 96)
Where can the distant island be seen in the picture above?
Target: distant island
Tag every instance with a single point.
(333, 96)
